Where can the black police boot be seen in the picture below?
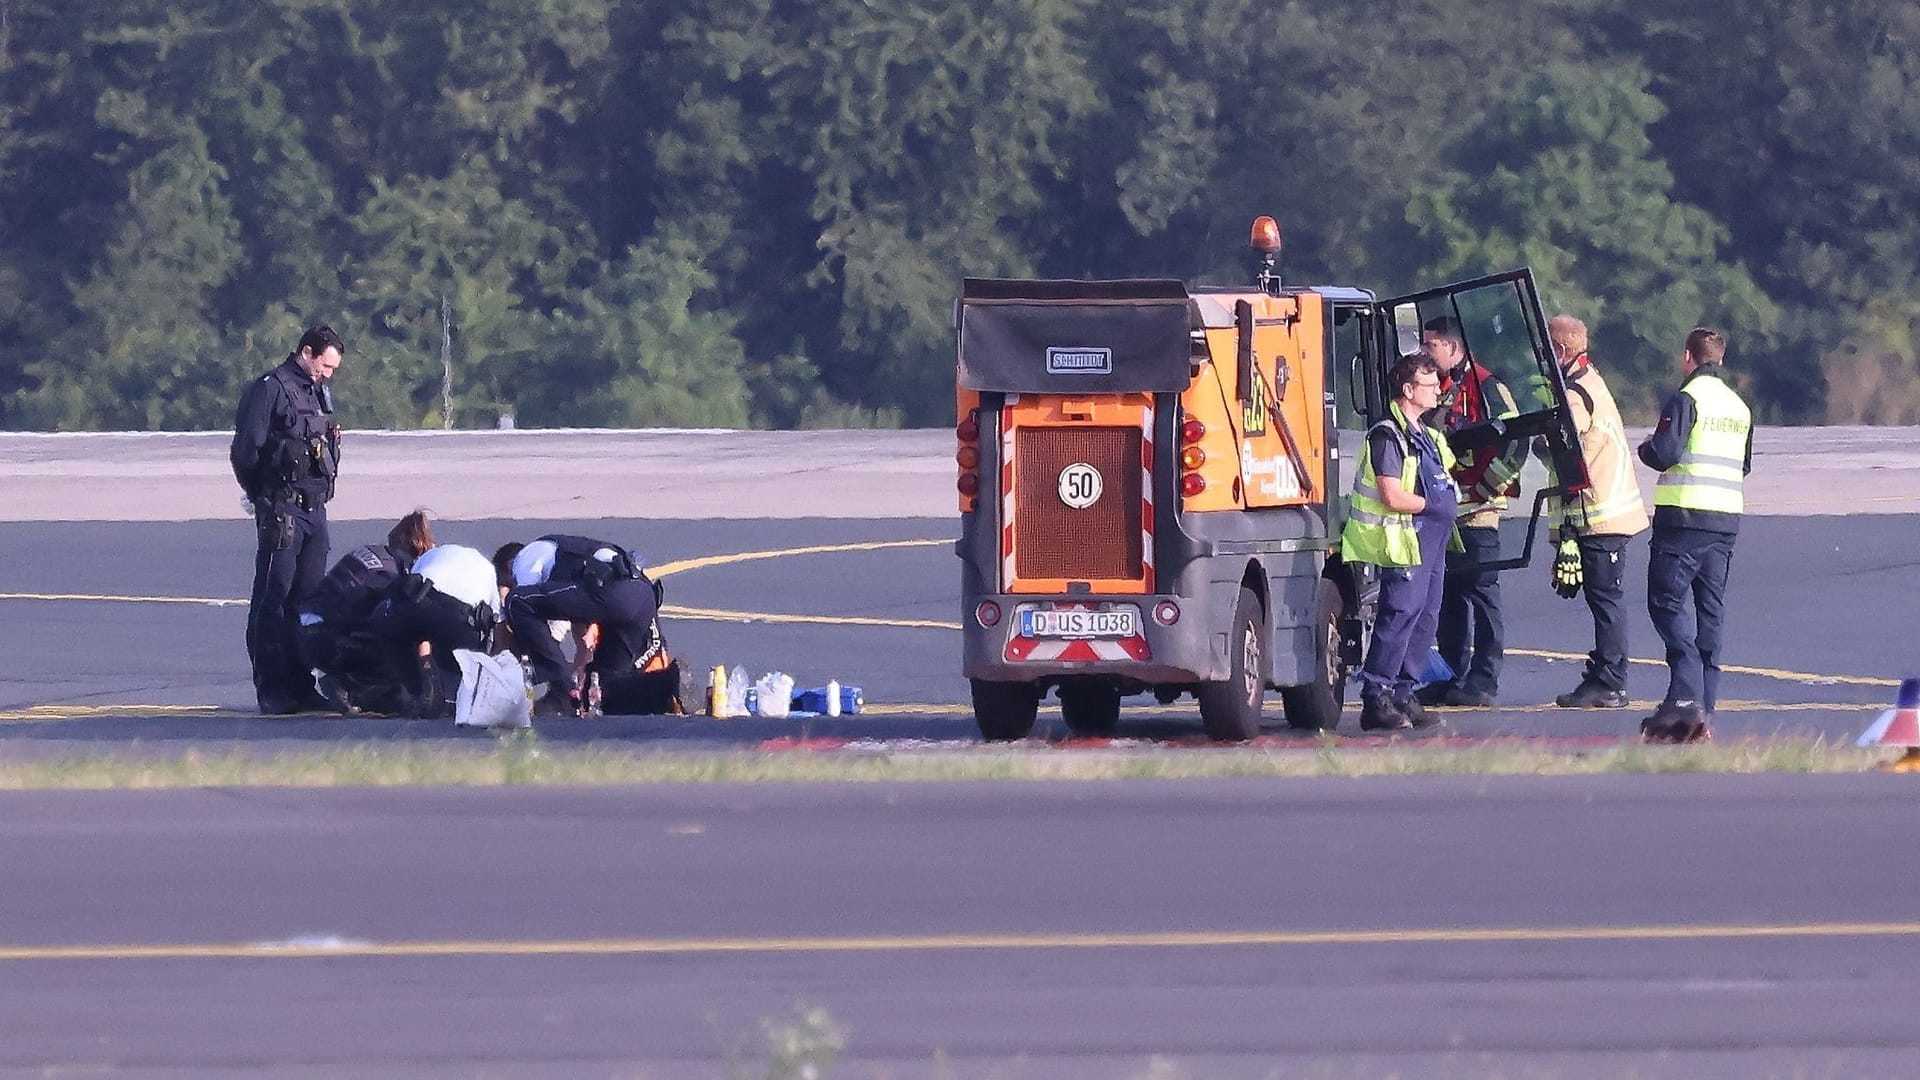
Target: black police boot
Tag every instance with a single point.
(1433, 693)
(1591, 695)
(1379, 714)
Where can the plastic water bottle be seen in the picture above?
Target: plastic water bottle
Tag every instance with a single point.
(593, 694)
(833, 697)
(737, 692)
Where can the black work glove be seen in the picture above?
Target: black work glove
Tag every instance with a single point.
(1567, 576)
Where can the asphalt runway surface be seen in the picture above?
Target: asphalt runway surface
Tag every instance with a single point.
(1683, 927)
(140, 634)
(1620, 926)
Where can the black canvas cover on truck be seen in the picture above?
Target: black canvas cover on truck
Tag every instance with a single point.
(1074, 337)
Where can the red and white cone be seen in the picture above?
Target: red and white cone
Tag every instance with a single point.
(1899, 727)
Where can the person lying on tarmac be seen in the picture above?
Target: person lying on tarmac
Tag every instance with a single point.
(448, 602)
(332, 621)
(583, 581)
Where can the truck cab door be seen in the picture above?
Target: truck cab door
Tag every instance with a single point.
(1528, 427)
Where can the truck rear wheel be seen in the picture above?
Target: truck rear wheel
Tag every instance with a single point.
(1230, 709)
(1090, 708)
(1316, 706)
(1004, 710)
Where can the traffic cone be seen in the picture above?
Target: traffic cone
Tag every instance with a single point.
(1900, 727)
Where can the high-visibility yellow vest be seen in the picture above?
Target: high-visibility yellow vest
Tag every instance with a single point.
(1374, 534)
(1711, 473)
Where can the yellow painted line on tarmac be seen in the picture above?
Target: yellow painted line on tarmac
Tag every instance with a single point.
(78, 712)
(209, 601)
(1734, 669)
(683, 565)
(1198, 939)
(718, 615)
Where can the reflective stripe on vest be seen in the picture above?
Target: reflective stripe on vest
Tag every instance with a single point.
(1710, 474)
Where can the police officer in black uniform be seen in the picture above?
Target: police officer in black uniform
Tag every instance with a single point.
(422, 627)
(580, 580)
(286, 453)
(333, 624)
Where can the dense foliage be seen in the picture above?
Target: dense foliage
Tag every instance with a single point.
(757, 212)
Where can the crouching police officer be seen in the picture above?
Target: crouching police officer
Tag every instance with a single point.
(581, 581)
(448, 602)
(286, 453)
(332, 632)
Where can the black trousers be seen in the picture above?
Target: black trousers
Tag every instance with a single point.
(290, 560)
(378, 676)
(1686, 597)
(1603, 570)
(1472, 635)
(402, 622)
(624, 608)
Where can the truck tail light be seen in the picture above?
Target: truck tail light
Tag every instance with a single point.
(1192, 457)
(968, 456)
(987, 613)
(1166, 613)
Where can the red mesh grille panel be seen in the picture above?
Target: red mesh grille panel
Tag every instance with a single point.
(1054, 540)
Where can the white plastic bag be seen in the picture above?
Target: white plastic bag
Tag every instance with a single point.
(493, 691)
(774, 692)
(737, 691)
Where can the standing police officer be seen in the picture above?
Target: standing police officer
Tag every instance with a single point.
(1703, 447)
(286, 452)
(1400, 517)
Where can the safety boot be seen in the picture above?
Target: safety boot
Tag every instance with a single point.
(1380, 714)
(1416, 713)
(1591, 695)
(1673, 724)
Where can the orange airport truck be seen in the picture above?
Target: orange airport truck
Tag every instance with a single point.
(1151, 485)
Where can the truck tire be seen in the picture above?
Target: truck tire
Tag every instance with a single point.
(1316, 705)
(1090, 709)
(1004, 710)
(1230, 709)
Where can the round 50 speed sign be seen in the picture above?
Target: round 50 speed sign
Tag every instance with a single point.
(1080, 485)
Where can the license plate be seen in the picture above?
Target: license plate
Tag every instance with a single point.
(1117, 622)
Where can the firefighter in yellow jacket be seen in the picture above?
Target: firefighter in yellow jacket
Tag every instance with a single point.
(1598, 522)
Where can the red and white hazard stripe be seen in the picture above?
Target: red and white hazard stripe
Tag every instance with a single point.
(1146, 495)
(1025, 648)
(1006, 496)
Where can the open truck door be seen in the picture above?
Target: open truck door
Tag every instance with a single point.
(1505, 333)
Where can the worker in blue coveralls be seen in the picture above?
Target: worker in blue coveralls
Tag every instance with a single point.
(1400, 517)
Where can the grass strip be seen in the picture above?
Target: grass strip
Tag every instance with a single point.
(523, 759)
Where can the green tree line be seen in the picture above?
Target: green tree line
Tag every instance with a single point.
(757, 212)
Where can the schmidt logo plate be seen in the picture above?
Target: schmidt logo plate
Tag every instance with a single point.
(1079, 361)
